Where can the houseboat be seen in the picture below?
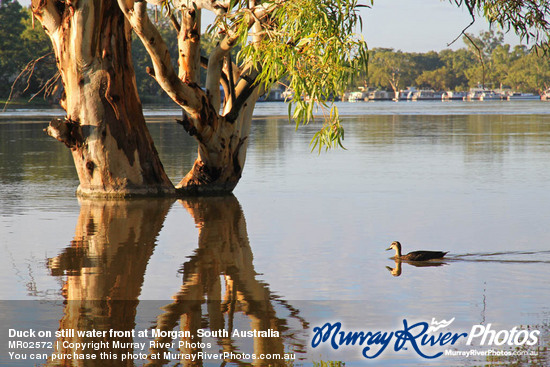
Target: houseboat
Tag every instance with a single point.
(490, 95)
(407, 94)
(356, 96)
(522, 96)
(453, 96)
(427, 95)
(474, 94)
(379, 95)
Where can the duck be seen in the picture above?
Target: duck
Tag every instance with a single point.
(415, 255)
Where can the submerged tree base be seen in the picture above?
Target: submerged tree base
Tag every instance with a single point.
(207, 179)
(126, 192)
(182, 192)
(205, 190)
(214, 189)
(202, 180)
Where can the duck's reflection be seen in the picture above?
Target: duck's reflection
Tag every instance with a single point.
(105, 268)
(396, 271)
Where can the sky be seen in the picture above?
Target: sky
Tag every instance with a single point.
(419, 25)
(415, 25)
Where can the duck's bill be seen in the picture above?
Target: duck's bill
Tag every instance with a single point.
(389, 248)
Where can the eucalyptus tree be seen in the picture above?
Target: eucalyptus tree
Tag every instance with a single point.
(310, 43)
(528, 72)
(482, 47)
(392, 69)
(440, 79)
(458, 64)
(104, 126)
(527, 18)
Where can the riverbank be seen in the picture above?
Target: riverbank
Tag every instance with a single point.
(280, 109)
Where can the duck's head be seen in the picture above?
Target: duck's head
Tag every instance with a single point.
(395, 245)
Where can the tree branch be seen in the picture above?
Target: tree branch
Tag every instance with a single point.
(49, 13)
(246, 85)
(231, 77)
(215, 65)
(239, 103)
(189, 45)
(185, 95)
(244, 89)
(49, 87)
(224, 81)
(213, 76)
(472, 14)
(66, 131)
(173, 20)
(218, 7)
(480, 55)
(28, 70)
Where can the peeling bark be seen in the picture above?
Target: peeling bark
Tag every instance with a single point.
(221, 158)
(66, 131)
(189, 45)
(105, 129)
(221, 130)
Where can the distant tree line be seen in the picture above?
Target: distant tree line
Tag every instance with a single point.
(486, 61)
(490, 62)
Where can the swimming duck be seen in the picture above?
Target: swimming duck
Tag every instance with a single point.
(415, 255)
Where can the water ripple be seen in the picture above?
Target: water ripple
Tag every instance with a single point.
(520, 257)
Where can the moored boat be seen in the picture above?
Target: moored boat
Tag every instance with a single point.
(356, 96)
(379, 95)
(474, 94)
(407, 94)
(427, 95)
(453, 96)
(522, 96)
(490, 95)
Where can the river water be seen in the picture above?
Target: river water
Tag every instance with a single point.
(302, 241)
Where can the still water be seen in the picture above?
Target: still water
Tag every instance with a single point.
(301, 243)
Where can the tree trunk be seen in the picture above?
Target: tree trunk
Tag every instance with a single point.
(105, 128)
(222, 138)
(221, 154)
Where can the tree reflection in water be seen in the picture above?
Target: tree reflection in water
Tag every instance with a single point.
(105, 268)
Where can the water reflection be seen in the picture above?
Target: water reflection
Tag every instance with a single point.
(397, 270)
(498, 257)
(221, 276)
(105, 267)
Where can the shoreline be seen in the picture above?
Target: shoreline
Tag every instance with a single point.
(346, 109)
